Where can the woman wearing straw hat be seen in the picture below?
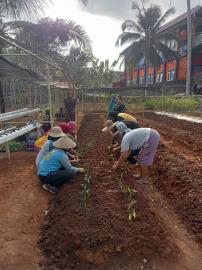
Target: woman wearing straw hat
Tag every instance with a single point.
(147, 140)
(55, 169)
(55, 134)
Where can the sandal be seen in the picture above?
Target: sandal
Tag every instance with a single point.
(144, 181)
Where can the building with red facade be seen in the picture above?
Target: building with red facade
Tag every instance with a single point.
(174, 71)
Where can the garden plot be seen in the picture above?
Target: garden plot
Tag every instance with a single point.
(180, 136)
(106, 221)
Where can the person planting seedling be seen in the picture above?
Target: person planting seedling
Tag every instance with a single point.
(118, 130)
(55, 169)
(147, 140)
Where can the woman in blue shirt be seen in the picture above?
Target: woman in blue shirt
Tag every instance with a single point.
(55, 134)
(55, 169)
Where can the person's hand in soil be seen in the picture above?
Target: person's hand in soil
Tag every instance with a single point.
(81, 170)
(75, 161)
(122, 159)
(115, 166)
(116, 149)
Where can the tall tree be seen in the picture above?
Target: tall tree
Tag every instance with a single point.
(144, 37)
(21, 8)
(48, 35)
(18, 9)
(86, 70)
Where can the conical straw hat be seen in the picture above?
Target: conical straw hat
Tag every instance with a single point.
(56, 132)
(64, 143)
(108, 126)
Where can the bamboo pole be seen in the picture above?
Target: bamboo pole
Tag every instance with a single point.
(49, 95)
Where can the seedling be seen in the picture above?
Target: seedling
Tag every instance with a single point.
(86, 147)
(131, 194)
(120, 182)
(85, 190)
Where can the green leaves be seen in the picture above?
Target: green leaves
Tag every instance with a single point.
(21, 8)
(144, 39)
(85, 190)
(48, 35)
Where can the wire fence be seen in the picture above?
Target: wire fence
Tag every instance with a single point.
(97, 101)
(18, 94)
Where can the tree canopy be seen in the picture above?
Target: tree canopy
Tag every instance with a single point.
(144, 38)
(20, 8)
(85, 70)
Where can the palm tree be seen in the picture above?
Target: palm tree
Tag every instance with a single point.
(49, 35)
(60, 32)
(145, 39)
(21, 8)
(17, 9)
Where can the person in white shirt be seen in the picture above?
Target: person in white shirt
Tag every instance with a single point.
(146, 139)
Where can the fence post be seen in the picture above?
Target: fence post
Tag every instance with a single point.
(49, 95)
(145, 93)
(171, 91)
(82, 101)
(162, 98)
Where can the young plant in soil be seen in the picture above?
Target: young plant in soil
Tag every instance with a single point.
(85, 190)
(87, 146)
(131, 194)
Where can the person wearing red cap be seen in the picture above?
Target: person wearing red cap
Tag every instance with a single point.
(69, 128)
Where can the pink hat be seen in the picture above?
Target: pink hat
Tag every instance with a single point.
(68, 128)
(73, 126)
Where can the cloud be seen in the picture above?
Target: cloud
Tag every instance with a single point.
(118, 9)
(121, 9)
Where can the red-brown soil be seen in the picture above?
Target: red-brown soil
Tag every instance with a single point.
(180, 136)
(100, 235)
(166, 234)
(178, 179)
(22, 205)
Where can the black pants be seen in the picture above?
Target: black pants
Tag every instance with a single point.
(57, 178)
(133, 153)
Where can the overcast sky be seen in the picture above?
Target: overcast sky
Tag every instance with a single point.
(102, 19)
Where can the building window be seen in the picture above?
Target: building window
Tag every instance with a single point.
(150, 79)
(171, 75)
(141, 80)
(159, 78)
(129, 82)
(134, 81)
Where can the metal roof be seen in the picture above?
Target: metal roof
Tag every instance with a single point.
(179, 19)
(10, 69)
(7, 69)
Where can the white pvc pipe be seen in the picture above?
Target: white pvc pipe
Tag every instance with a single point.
(13, 112)
(17, 114)
(14, 134)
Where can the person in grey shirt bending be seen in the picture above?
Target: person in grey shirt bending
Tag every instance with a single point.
(146, 139)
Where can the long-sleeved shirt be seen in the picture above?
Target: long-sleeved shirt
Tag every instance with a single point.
(46, 148)
(54, 161)
(120, 108)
